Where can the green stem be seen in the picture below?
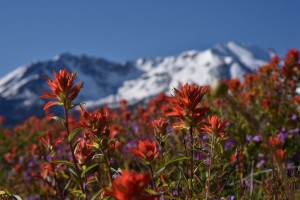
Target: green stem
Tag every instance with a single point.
(191, 163)
(72, 152)
(211, 162)
(152, 177)
(107, 162)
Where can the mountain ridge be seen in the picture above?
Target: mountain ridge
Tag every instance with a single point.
(107, 82)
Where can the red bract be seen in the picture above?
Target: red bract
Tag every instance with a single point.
(215, 126)
(292, 66)
(160, 125)
(83, 150)
(292, 57)
(237, 159)
(62, 88)
(130, 186)
(146, 150)
(186, 104)
(96, 122)
(281, 153)
(48, 143)
(275, 141)
(46, 170)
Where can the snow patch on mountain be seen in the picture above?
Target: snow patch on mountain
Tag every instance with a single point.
(231, 60)
(107, 82)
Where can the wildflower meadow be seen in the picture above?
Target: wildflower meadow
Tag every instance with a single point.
(238, 139)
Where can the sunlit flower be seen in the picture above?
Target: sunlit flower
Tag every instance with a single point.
(130, 186)
(146, 150)
(62, 89)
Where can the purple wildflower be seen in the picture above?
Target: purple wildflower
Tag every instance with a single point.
(257, 138)
(229, 143)
(294, 117)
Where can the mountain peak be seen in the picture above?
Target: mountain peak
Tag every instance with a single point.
(107, 82)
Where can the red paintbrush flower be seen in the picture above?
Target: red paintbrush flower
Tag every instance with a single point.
(275, 141)
(83, 150)
(186, 104)
(215, 126)
(281, 153)
(96, 122)
(146, 150)
(48, 142)
(160, 125)
(62, 89)
(46, 169)
(130, 186)
(292, 57)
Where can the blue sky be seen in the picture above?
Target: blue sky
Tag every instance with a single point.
(123, 30)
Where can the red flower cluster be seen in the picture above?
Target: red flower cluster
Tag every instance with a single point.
(130, 186)
(83, 150)
(48, 142)
(160, 125)
(62, 88)
(46, 169)
(215, 126)
(276, 143)
(96, 122)
(186, 104)
(146, 150)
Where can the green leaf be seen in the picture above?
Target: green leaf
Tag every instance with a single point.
(160, 170)
(177, 160)
(73, 134)
(68, 163)
(152, 192)
(96, 194)
(118, 171)
(76, 192)
(59, 120)
(88, 168)
(74, 177)
(98, 155)
(95, 145)
(170, 197)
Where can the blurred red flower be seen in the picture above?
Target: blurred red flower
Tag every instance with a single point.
(83, 150)
(215, 126)
(275, 141)
(146, 150)
(160, 125)
(46, 169)
(96, 122)
(130, 186)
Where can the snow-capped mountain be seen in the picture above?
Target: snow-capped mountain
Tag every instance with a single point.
(108, 82)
